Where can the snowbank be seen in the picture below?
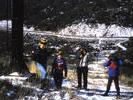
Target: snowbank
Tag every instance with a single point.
(4, 24)
(82, 30)
(97, 30)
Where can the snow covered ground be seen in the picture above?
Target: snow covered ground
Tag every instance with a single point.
(82, 30)
(98, 30)
(97, 82)
(4, 24)
(97, 78)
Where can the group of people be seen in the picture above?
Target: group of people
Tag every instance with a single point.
(41, 54)
(59, 65)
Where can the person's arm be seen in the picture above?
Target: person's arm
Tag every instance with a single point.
(65, 67)
(78, 54)
(53, 66)
(88, 58)
(120, 62)
(50, 51)
(35, 54)
(107, 63)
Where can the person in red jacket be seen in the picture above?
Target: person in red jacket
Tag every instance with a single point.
(59, 64)
(113, 64)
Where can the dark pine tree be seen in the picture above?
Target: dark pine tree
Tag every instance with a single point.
(17, 35)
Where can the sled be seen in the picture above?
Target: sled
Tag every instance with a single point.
(36, 69)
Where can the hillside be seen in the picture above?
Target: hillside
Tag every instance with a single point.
(53, 15)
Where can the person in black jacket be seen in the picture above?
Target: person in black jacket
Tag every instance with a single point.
(59, 64)
(82, 67)
(41, 55)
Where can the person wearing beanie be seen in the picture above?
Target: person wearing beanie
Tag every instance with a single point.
(59, 64)
(40, 56)
(82, 67)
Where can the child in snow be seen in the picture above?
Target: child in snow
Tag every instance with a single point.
(113, 65)
(58, 66)
(82, 67)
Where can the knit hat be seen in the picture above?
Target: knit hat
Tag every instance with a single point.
(60, 53)
(43, 42)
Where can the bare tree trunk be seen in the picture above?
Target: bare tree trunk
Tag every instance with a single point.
(17, 35)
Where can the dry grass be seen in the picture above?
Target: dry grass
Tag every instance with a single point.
(97, 76)
(4, 65)
(72, 75)
(126, 76)
(127, 80)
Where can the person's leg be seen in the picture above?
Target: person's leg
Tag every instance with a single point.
(85, 74)
(45, 67)
(60, 83)
(116, 80)
(60, 78)
(79, 77)
(108, 85)
(56, 80)
(55, 75)
(45, 84)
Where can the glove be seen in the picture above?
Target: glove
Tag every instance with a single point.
(51, 73)
(81, 56)
(32, 52)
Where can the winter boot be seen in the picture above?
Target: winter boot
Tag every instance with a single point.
(58, 87)
(118, 96)
(42, 84)
(79, 87)
(105, 94)
(85, 88)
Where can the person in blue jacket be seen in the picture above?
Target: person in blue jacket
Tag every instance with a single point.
(113, 64)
